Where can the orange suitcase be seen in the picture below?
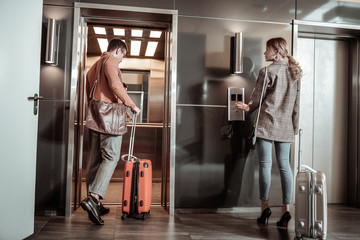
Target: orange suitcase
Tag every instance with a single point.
(137, 188)
(137, 185)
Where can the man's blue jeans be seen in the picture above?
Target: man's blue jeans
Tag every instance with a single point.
(103, 157)
(282, 149)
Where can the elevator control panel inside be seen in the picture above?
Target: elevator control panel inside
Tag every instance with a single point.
(235, 95)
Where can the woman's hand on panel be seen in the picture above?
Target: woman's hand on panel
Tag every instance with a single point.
(242, 106)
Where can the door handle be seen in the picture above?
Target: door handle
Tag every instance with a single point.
(35, 98)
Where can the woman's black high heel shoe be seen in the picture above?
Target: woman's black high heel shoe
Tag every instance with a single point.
(284, 220)
(264, 218)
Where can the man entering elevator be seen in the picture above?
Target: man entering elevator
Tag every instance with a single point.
(104, 152)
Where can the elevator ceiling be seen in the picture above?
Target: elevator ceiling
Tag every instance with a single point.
(93, 48)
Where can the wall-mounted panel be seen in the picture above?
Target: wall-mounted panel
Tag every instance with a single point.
(260, 10)
(52, 82)
(200, 158)
(204, 57)
(54, 79)
(213, 171)
(331, 11)
(51, 161)
(53, 117)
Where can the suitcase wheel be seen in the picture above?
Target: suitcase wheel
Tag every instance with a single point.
(123, 217)
(142, 216)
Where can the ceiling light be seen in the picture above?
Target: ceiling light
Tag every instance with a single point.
(150, 50)
(119, 32)
(135, 48)
(103, 43)
(136, 33)
(155, 34)
(99, 30)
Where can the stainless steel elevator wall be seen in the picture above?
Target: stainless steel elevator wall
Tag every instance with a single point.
(52, 145)
(324, 110)
(211, 171)
(202, 78)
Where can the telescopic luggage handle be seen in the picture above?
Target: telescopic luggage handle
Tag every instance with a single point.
(130, 157)
(300, 151)
(304, 168)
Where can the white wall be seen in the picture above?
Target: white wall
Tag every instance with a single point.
(20, 22)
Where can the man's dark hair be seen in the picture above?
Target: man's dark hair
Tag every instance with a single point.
(115, 44)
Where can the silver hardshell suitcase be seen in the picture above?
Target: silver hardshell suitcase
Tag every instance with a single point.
(310, 202)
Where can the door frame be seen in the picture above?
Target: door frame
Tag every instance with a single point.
(351, 32)
(170, 91)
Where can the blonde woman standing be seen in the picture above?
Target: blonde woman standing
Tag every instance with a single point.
(278, 122)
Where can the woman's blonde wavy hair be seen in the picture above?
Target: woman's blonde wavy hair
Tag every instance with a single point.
(280, 45)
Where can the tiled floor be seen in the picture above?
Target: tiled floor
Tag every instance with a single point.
(343, 223)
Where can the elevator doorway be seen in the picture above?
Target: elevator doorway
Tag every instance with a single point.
(329, 57)
(150, 81)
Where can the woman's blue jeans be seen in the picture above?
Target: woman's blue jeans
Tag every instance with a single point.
(282, 149)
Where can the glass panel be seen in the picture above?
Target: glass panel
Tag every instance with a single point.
(213, 171)
(329, 11)
(53, 118)
(51, 158)
(276, 10)
(204, 60)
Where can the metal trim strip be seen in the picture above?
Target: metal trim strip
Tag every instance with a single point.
(125, 8)
(173, 61)
(235, 20)
(325, 24)
(201, 105)
(74, 79)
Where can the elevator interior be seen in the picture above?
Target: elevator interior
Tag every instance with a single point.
(144, 77)
(147, 79)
